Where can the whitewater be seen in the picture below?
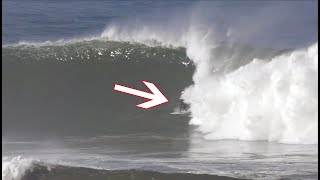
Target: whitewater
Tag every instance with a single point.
(267, 99)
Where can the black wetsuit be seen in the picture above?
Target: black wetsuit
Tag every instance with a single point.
(183, 106)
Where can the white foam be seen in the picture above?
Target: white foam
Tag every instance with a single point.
(14, 168)
(273, 100)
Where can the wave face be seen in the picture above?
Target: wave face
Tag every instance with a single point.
(70, 88)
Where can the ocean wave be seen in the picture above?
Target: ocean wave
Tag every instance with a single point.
(15, 168)
(239, 92)
(19, 168)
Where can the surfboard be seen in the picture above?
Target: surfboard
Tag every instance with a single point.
(179, 112)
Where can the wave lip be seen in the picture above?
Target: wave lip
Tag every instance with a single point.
(92, 51)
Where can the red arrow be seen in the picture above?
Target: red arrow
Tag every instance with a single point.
(156, 96)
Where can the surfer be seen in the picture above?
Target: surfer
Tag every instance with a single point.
(183, 106)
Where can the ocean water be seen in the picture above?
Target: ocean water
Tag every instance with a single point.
(247, 69)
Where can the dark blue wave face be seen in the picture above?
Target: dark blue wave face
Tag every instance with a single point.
(286, 23)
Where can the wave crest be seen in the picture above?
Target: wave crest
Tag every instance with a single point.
(15, 168)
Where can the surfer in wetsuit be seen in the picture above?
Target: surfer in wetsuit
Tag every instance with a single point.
(183, 106)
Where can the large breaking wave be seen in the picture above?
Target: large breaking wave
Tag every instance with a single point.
(239, 92)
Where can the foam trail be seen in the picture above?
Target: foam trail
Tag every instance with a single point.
(273, 100)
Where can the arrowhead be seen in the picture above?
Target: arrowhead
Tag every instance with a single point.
(157, 98)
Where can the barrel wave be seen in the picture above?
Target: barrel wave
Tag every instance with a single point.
(234, 91)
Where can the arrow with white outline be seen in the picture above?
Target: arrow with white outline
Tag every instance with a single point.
(156, 97)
